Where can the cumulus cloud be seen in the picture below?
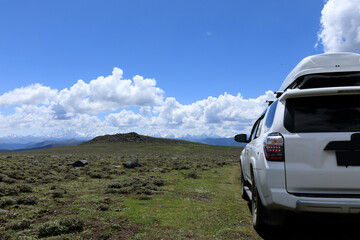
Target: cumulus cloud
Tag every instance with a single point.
(126, 119)
(221, 116)
(39, 121)
(340, 26)
(126, 105)
(107, 94)
(104, 94)
(31, 95)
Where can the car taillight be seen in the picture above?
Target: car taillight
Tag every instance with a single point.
(274, 147)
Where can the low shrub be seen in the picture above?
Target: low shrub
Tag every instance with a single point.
(4, 202)
(193, 175)
(4, 234)
(103, 207)
(23, 188)
(70, 176)
(49, 229)
(16, 174)
(157, 181)
(19, 225)
(184, 167)
(8, 190)
(62, 226)
(205, 168)
(147, 186)
(57, 194)
(27, 200)
(96, 175)
(8, 180)
(72, 224)
(30, 180)
(122, 190)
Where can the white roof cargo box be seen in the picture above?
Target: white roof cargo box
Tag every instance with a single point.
(323, 63)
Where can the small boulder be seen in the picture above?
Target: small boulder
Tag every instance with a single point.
(133, 163)
(78, 163)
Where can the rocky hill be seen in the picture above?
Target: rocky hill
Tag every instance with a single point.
(130, 137)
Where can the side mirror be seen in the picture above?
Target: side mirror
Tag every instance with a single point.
(240, 138)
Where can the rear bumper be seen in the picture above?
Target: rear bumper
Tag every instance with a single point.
(328, 207)
(272, 191)
(282, 200)
(274, 196)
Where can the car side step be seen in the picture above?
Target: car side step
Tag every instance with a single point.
(248, 192)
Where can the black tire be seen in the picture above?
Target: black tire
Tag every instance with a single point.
(257, 209)
(243, 192)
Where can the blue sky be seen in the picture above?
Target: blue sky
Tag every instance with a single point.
(191, 52)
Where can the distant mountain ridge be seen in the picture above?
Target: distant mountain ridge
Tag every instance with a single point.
(130, 137)
(137, 138)
(217, 141)
(51, 144)
(9, 147)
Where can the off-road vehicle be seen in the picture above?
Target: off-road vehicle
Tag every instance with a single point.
(303, 153)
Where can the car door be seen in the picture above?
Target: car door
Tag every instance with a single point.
(250, 148)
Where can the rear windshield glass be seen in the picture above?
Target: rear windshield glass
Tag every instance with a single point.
(339, 113)
(321, 80)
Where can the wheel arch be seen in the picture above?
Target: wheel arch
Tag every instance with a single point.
(255, 177)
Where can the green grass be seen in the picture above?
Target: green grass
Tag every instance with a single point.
(177, 206)
(200, 208)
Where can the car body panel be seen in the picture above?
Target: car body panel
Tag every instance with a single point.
(310, 169)
(323, 63)
(309, 179)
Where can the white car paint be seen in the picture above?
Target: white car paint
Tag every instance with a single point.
(309, 179)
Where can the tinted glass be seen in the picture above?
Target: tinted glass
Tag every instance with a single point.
(270, 116)
(323, 114)
(254, 129)
(321, 80)
(258, 131)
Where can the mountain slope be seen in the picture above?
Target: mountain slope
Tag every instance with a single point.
(131, 137)
(9, 147)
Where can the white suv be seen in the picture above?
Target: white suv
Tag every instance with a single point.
(303, 154)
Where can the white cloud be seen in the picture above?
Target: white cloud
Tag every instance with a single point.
(340, 26)
(75, 111)
(103, 94)
(222, 116)
(40, 121)
(31, 95)
(107, 94)
(125, 119)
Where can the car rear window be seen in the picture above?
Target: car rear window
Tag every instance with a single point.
(321, 80)
(339, 113)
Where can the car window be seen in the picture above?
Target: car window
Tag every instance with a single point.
(255, 128)
(253, 131)
(339, 113)
(321, 80)
(258, 130)
(270, 116)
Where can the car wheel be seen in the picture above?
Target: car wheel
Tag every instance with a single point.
(257, 209)
(243, 192)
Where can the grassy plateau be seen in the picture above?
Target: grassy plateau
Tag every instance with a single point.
(182, 191)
